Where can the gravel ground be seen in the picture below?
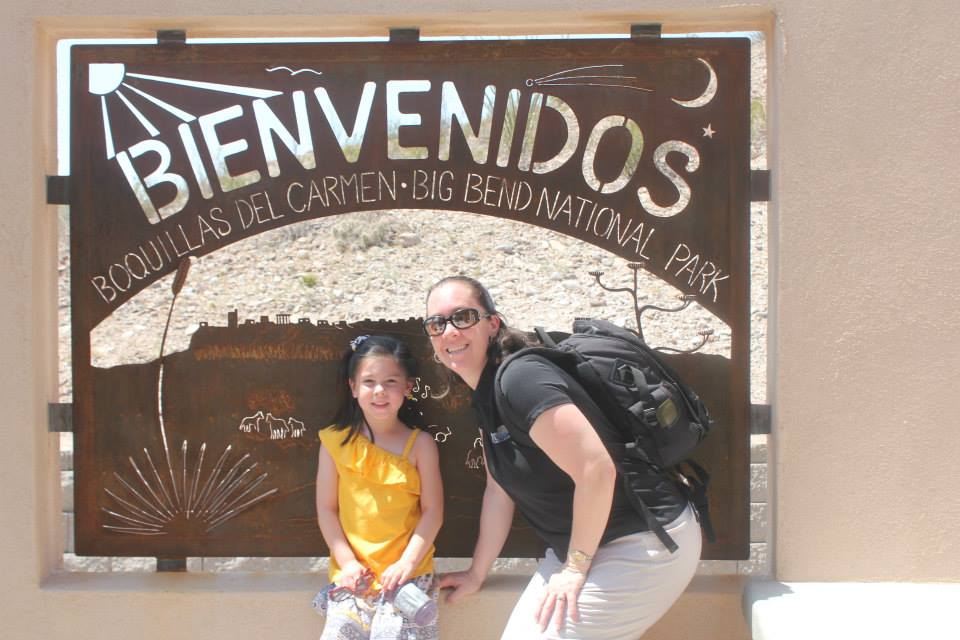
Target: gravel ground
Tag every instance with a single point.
(536, 277)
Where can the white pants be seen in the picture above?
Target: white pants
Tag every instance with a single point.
(632, 582)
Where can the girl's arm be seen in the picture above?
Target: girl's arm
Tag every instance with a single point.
(496, 516)
(568, 438)
(431, 513)
(328, 517)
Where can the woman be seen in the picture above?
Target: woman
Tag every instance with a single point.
(605, 575)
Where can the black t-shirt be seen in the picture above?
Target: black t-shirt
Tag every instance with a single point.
(542, 491)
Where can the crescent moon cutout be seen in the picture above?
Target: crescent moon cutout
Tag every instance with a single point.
(707, 94)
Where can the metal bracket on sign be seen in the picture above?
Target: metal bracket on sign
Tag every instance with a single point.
(759, 419)
(404, 34)
(650, 31)
(171, 565)
(760, 185)
(172, 37)
(58, 189)
(60, 417)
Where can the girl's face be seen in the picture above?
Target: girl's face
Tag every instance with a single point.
(380, 385)
(463, 351)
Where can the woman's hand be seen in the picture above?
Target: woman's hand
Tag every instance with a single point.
(559, 600)
(463, 583)
(351, 575)
(396, 574)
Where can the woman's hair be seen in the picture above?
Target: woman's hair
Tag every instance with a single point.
(507, 340)
(349, 416)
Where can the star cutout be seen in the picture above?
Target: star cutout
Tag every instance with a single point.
(708, 131)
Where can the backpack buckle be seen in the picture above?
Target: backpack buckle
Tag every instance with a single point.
(650, 417)
(682, 479)
(634, 450)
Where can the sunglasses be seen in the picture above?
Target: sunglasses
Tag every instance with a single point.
(341, 593)
(461, 319)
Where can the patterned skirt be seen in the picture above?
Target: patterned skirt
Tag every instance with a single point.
(352, 617)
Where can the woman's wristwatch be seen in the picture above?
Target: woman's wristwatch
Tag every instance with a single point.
(578, 561)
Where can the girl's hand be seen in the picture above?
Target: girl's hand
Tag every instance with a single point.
(463, 583)
(351, 574)
(396, 574)
(560, 599)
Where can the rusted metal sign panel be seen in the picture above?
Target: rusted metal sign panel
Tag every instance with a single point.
(637, 146)
(241, 410)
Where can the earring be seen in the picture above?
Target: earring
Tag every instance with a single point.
(436, 358)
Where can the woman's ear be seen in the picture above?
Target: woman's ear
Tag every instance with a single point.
(353, 388)
(494, 324)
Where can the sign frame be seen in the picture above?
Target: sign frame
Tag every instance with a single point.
(640, 147)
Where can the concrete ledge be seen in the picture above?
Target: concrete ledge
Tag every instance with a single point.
(708, 610)
(845, 610)
(203, 606)
(239, 605)
(154, 583)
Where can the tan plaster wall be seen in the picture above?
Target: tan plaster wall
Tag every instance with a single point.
(866, 232)
(863, 125)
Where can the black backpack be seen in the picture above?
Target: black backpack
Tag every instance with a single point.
(660, 418)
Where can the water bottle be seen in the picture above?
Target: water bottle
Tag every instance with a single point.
(415, 605)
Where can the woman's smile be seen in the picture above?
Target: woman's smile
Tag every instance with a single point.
(463, 351)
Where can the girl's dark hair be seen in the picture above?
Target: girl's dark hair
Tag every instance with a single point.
(349, 416)
(507, 340)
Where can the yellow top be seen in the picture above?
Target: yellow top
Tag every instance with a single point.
(379, 501)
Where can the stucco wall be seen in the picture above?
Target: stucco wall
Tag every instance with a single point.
(866, 231)
(863, 126)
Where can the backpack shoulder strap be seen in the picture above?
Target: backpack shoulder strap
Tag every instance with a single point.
(574, 364)
(545, 338)
(550, 339)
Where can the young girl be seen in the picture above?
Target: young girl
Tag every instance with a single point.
(379, 495)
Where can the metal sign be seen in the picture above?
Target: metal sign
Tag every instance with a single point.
(640, 147)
